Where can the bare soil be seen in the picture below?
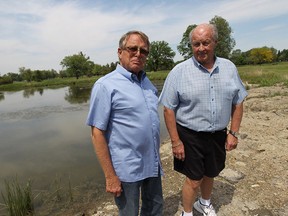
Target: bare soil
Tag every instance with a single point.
(255, 180)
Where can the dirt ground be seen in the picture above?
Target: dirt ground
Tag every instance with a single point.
(255, 180)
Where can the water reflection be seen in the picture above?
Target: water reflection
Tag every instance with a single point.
(74, 95)
(77, 95)
(30, 92)
(2, 96)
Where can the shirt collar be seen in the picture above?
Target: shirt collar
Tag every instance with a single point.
(132, 77)
(201, 66)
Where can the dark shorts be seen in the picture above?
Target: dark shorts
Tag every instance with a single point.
(205, 153)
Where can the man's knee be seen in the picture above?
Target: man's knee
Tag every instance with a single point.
(193, 183)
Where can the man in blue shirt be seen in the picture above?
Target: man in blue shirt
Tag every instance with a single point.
(200, 97)
(125, 126)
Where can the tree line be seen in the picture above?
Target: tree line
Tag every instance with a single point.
(259, 56)
(160, 57)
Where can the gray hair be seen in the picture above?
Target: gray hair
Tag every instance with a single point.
(212, 27)
(124, 38)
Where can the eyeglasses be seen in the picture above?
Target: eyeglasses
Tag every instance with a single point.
(133, 50)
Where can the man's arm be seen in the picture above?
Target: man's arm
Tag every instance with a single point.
(236, 118)
(177, 145)
(113, 184)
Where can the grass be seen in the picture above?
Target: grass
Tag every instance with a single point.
(18, 198)
(260, 75)
(266, 74)
(159, 75)
(51, 83)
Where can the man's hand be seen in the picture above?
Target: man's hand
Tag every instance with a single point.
(178, 150)
(231, 142)
(113, 185)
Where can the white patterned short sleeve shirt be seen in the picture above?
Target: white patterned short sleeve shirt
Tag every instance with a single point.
(203, 100)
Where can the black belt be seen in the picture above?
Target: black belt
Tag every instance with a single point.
(204, 132)
(212, 132)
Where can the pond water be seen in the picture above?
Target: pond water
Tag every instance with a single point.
(43, 136)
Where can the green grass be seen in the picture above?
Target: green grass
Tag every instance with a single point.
(159, 75)
(21, 200)
(260, 75)
(266, 74)
(51, 83)
(18, 198)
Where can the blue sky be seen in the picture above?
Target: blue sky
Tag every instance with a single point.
(38, 34)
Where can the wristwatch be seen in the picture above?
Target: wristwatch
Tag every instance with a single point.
(233, 133)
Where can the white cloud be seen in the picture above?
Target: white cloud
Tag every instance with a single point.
(247, 10)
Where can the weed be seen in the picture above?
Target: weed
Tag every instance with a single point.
(18, 198)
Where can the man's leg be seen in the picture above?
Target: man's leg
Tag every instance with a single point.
(152, 197)
(189, 193)
(128, 201)
(204, 205)
(206, 187)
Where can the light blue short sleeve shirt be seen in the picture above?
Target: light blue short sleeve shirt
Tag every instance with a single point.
(203, 100)
(127, 110)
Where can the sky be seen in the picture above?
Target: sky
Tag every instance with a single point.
(38, 34)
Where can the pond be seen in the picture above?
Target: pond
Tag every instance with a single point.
(44, 137)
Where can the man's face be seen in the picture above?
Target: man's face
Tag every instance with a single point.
(133, 56)
(203, 46)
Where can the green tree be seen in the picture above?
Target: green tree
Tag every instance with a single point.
(237, 57)
(113, 66)
(77, 65)
(274, 52)
(225, 43)
(283, 55)
(63, 73)
(26, 74)
(160, 56)
(184, 48)
(97, 70)
(37, 75)
(5, 79)
(15, 76)
(106, 69)
(49, 74)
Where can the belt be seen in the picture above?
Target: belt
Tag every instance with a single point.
(203, 132)
(211, 132)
